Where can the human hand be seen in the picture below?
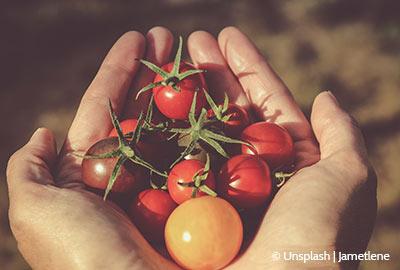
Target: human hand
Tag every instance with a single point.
(293, 219)
(330, 203)
(57, 223)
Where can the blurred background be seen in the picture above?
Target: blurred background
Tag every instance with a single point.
(51, 49)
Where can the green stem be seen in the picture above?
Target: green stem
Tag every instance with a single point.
(282, 177)
(208, 190)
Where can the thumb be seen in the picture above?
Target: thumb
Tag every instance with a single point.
(336, 131)
(33, 162)
(342, 142)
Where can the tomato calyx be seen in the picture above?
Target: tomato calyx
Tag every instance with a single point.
(126, 151)
(198, 181)
(203, 129)
(220, 111)
(128, 148)
(168, 78)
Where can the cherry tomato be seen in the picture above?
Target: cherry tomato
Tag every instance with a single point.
(150, 211)
(245, 181)
(128, 125)
(184, 172)
(204, 233)
(96, 172)
(271, 142)
(176, 104)
(239, 119)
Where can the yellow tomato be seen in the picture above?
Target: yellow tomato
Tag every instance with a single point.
(204, 233)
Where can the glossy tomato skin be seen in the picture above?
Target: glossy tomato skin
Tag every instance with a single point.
(128, 125)
(245, 181)
(183, 172)
(96, 172)
(239, 120)
(176, 105)
(271, 142)
(204, 233)
(150, 211)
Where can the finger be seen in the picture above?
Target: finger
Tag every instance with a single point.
(205, 53)
(335, 129)
(159, 41)
(32, 164)
(263, 87)
(92, 121)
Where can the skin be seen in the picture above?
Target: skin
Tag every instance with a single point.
(330, 203)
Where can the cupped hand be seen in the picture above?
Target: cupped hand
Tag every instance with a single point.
(57, 223)
(329, 204)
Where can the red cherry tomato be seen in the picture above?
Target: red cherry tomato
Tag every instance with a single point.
(184, 172)
(128, 125)
(245, 181)
(96, 172)
(150, 211)
(237, 122)
(174, 104)
(271, 142)
(239, 119)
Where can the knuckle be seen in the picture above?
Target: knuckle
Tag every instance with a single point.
(339, 120)
(95, 96)
(355, 164)
(13, 160)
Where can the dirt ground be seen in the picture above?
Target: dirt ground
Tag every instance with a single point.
(50, 50)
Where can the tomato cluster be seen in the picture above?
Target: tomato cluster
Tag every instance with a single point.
(193, 170)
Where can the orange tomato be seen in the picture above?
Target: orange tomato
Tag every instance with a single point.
(204, 233)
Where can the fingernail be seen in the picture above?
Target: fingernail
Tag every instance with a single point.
(334, 99)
